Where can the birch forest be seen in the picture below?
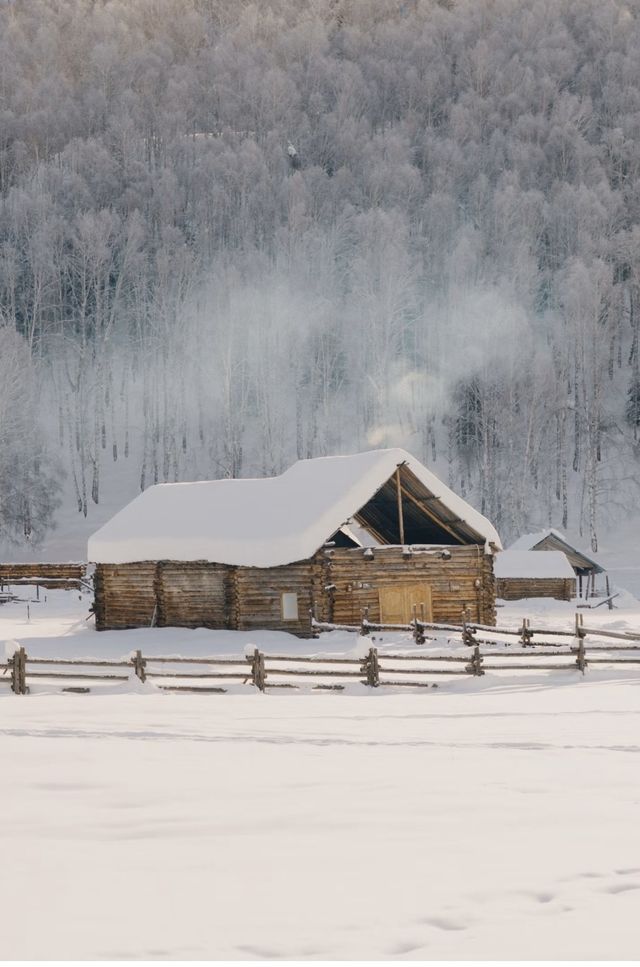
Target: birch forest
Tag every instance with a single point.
(235, 234)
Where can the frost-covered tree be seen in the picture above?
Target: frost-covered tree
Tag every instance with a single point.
(234, 234)
(29, 483)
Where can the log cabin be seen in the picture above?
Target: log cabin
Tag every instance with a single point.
(525, 574)
(586, 569)
(328, 538)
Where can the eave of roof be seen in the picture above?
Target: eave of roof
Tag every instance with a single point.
(530, 541)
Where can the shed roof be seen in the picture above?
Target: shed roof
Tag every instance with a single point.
(277, 520)
(530, 564)
(555, 540)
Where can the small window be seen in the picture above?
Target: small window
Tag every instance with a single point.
(289, 606)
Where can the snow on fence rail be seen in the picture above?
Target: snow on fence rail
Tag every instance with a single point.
(268, 671)
(264, 672)
(468, 631)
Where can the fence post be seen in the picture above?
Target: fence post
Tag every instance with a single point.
(475, 665)
(19, 672)
(14, 674)
(258, 673)
(467, 634)
(139, 665)
(372, 668)
(313, 622)
(418, 629)
(581, 660)
(364, 624)
(525, 634)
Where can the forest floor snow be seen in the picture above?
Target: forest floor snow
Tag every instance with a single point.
(490, 818)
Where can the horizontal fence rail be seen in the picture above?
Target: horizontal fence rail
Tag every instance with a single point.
(263, 672)
(468, 630)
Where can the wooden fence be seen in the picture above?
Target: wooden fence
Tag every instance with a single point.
(468, 631)
(375, 669)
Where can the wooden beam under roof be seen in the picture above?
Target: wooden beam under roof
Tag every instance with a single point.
(399, 499)
(433, 517)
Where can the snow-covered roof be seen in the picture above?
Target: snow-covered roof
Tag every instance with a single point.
(265, 522)
(532, 564)
(530, 541)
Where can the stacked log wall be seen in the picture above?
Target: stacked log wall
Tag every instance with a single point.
(336, 585)
(513, 589)
(355, 581)
(258, 596)
(46, 575)
(192, 594)
(125, 595)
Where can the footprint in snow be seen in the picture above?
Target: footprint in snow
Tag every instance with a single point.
(405, 948)
(544, 897)
(441, 923)
(261, 953)
(621, 888)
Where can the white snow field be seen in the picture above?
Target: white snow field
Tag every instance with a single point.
(489, 818)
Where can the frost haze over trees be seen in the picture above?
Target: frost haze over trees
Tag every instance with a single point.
(236, 234)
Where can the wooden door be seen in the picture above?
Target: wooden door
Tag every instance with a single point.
(397, 601)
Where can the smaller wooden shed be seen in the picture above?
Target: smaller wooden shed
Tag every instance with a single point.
(525, 574)
(585, 568)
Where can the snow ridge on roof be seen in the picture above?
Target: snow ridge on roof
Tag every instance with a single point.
(262, 522)
(528, 541)
(532, 564)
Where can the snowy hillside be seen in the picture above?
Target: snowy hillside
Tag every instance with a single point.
(236, 235)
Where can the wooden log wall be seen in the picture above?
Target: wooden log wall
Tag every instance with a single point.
(125, 595)
(257, 596)
(336, 584)
(199, 594)
(354, 580)
(192, 594)
(512, 589)
(47, 575)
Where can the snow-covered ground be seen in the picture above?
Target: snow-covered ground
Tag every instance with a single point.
(490, 818)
